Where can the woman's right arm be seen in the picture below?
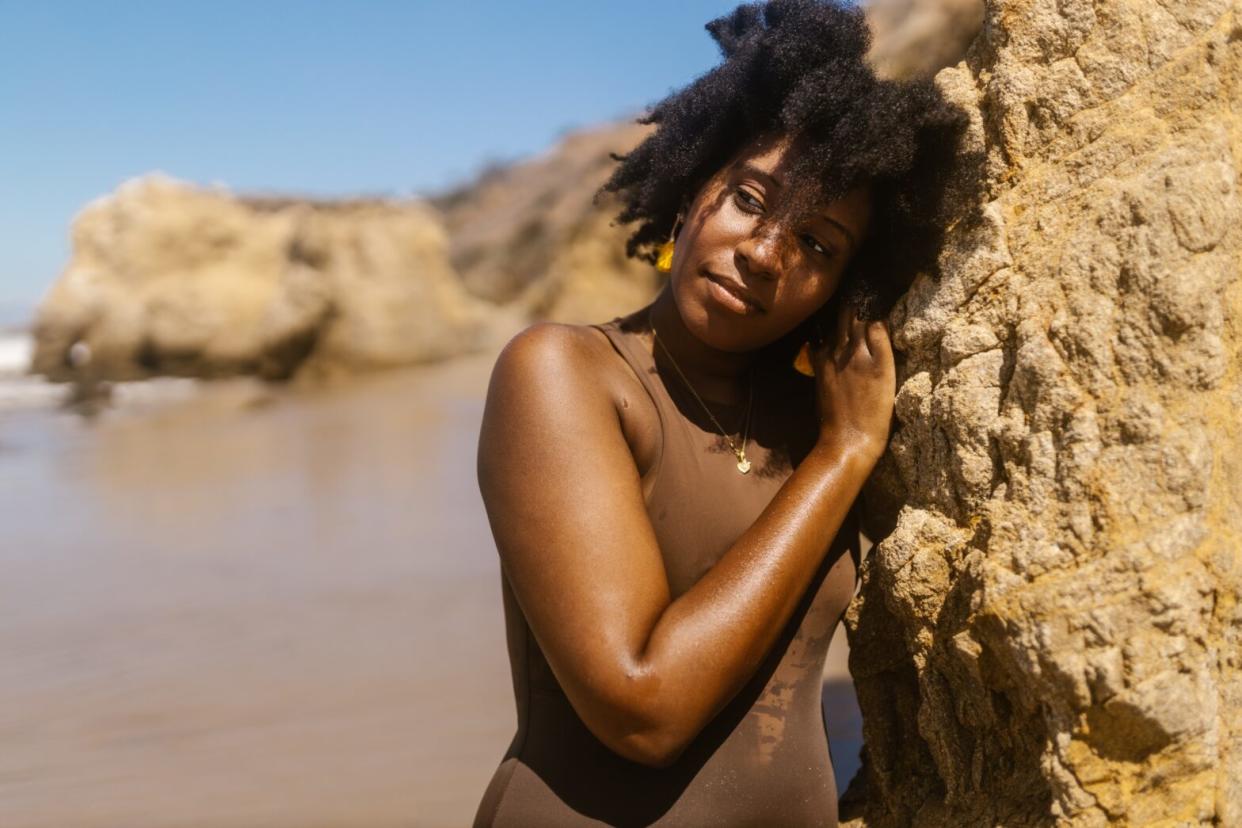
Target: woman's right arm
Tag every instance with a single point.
(646, 673)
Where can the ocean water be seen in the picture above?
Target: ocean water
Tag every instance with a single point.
(20, 390)
(17, 389)
(16, 348)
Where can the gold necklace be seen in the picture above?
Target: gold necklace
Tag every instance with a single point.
(743, 465)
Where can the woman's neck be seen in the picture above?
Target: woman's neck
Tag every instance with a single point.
(717, 376)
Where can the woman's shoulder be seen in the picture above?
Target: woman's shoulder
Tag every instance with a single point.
(563, 379)
(554, 347)
(562, 358)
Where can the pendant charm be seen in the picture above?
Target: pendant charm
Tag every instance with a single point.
(743, 465)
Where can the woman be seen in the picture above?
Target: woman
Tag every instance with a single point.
(671, 500)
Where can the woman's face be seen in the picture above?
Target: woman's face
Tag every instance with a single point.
(740, 279)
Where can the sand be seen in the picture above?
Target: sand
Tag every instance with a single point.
(241, 607)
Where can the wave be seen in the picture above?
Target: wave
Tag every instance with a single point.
(16, 350)
(19, 389)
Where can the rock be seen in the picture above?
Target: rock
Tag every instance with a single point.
(167, 278)
(919, 37)
(1051, 632)
(532, 234)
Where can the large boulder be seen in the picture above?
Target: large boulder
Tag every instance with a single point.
(1050, 632)
(170, 279)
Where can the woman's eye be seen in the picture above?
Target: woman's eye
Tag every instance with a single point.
(746, 200)
(814, 244)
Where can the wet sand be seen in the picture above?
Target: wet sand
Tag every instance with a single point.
(249, 608)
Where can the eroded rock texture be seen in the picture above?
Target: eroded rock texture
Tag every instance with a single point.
(1050, 634)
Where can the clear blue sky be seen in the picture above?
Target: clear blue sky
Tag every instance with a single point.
(318, 98)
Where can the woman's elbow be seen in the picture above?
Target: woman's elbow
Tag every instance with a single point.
(653, 749)
(645, 725)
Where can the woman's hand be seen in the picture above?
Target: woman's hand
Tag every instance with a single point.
(856, 381)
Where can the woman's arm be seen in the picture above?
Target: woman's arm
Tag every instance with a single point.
(646, 673)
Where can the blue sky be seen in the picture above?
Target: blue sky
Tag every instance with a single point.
(317, 98)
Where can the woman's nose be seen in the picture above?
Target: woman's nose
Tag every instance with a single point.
(762, 252)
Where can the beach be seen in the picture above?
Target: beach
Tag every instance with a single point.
(232, 604)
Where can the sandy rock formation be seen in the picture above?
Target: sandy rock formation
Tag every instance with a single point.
(532, 235)
(170, 279)
(920, 37)
(1051, 632)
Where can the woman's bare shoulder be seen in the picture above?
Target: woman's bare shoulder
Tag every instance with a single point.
(562, 355)
(554, 375)
(552, 340)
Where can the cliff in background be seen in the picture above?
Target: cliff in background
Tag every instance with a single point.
(1050, 634)
(531, 235)
(169, 279)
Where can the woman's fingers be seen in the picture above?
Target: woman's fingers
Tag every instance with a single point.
(880, 344)
(843, 333)
(858, 332)
(853, 333)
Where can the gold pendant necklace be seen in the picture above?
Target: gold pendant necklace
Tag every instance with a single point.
(743, 465)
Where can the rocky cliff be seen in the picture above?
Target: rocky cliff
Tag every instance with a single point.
(171, 279)
(1050, 633)
(531, 234)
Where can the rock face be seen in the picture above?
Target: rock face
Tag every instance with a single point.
(170, 279)
(532, 236)
(1050, 634)
(920, 37)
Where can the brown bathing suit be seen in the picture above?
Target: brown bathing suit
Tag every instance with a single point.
(763, 760)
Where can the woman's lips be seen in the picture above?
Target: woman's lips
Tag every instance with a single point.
(733, 295)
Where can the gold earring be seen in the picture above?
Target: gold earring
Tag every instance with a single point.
(802, 362)
(664, 262)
